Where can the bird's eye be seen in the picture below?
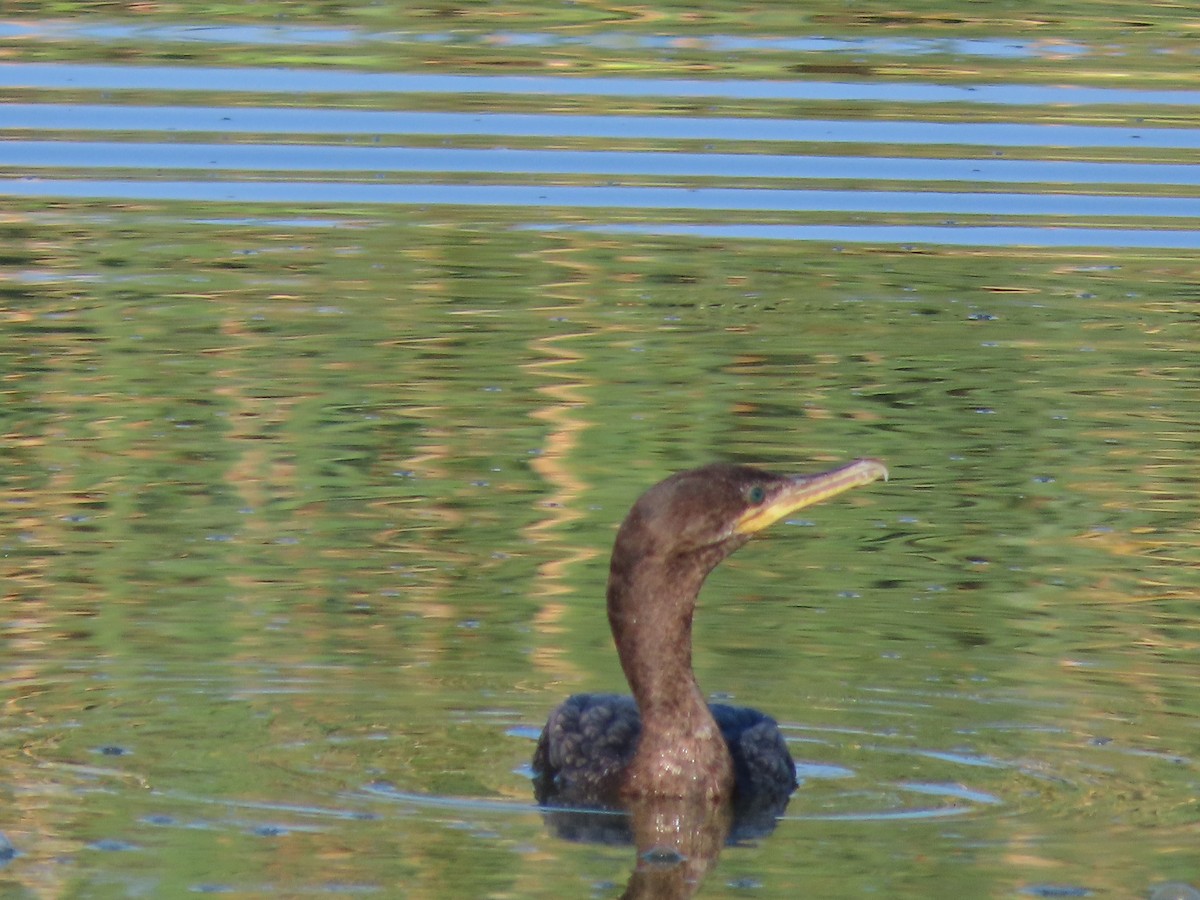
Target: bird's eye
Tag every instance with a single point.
(756, 494)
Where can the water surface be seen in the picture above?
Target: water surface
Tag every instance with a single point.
(334, 351)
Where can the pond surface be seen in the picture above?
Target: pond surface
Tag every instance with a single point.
(334, 349)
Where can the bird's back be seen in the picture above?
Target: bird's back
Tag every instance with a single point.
(763, 769)
(590, 739)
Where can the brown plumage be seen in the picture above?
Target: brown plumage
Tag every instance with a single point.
(598, 750)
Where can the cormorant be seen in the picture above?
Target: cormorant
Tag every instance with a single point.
(602, 750)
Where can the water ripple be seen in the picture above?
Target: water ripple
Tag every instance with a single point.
(982, 46)
(608, 163)
(542, 196)
(264, 120)
(912, 235)
(285, 80)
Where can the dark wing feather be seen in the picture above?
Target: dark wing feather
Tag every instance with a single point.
(588, 740)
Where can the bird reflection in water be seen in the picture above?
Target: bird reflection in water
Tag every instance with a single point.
(688, 777)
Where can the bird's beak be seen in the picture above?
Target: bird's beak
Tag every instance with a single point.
(805, 490)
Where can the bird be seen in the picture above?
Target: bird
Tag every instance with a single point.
(604, 751)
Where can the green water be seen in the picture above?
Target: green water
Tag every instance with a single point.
(307, 506)
(292, 511)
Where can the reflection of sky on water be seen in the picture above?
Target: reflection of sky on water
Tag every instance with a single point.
(542, 196)
(187, 78)
(258, 119)
(296, 158)
(913, 235)
(111, 32)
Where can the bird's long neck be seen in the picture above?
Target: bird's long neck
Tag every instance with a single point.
(650, 606)
(650, 613)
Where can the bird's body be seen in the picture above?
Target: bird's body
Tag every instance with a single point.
(590, 739)
(600, 750)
